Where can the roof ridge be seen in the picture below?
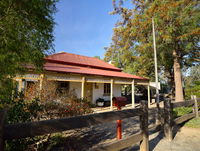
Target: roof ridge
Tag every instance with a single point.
(67, 57)
(76, 55)
(83, 56)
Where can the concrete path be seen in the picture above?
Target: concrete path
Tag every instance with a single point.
(187, 139)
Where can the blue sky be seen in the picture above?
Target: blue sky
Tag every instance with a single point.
(84, 26)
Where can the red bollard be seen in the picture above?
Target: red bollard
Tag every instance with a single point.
(119, 129)
(119, 102)
(119, 126)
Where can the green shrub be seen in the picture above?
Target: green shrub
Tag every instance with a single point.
(61, 142)
(26, 109)
(193, 123)
(193, 89)
(20, 111)
(23, 111)
(181, 111)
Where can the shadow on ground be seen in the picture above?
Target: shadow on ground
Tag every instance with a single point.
(83, 139)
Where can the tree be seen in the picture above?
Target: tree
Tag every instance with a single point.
(98, 57)
(26, 36)
(177, 35)
(130, 61)
(26, 28)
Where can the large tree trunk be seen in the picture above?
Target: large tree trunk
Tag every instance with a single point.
(170, 77)
(178, 78)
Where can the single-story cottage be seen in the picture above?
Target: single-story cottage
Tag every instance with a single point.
(89, 77)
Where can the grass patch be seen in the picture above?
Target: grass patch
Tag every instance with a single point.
(180, 111)
(194, 123)
(60, 142)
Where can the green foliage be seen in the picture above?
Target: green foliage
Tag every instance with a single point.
(54, 140)
(192, 82)
(177, 26)
(23, 111)
(6, 90)
(20, 111)
(98, 57)
(60, 142)
(100, 100)
(180, 111)
(193, 89)
(26, 29)
(193, 123)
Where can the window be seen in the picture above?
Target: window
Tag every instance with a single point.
(30, 84)
(63, 87)
(106, 88)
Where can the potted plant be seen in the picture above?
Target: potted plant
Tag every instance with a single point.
(100, 102)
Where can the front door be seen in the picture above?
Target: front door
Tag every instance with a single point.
(88, 91)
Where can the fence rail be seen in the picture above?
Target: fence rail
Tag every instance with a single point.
(120, 144)
(31, 129)
(184, 118)
(169, 122)
(180, 104)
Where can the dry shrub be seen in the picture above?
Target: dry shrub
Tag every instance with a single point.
(56, 105)
(69, 108)
(53, 105)
(48, 92)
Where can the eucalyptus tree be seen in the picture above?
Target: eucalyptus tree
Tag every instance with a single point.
(177, 25)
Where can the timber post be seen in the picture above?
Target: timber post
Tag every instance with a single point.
(133, 93)
(168, 119)
(83, 88)
(149, 96)
(144, 144)
(20, 85)
(2, 121)
(41, 86)
(111, 94)
(196, 106)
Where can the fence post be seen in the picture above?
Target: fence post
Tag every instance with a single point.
(144, 144)
(195, 106)
(168, 119)
(2, 121)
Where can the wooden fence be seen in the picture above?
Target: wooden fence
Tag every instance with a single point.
(31, 129)
(170, 122)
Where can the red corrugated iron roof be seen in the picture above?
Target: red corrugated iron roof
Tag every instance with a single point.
(74, 59)
(64, 68)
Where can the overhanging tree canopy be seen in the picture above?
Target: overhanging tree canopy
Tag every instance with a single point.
(177, 35)
(26, 28)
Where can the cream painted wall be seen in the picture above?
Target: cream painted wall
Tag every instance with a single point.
(97, 93)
